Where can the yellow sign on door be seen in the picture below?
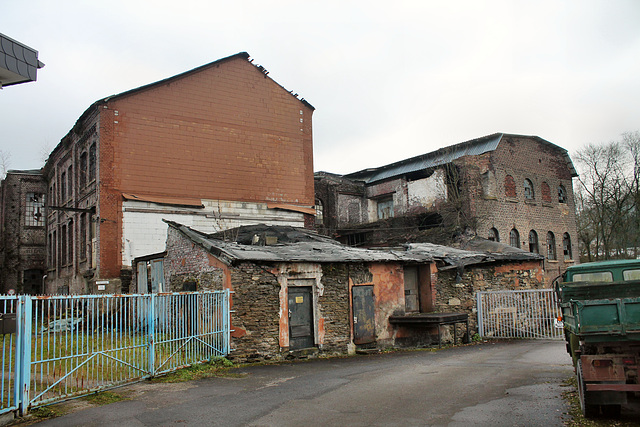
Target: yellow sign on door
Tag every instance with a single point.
(299, 300)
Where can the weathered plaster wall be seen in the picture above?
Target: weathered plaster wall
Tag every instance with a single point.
(427, 192)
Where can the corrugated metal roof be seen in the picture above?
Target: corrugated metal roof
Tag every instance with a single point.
(443, 156)
(430, 160)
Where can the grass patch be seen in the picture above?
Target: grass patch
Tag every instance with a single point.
(104, 398)
(216, 367)
(46, 412)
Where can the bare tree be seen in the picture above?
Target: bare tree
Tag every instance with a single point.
(607, 211)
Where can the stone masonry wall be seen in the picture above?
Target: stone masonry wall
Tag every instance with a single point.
(460, 296)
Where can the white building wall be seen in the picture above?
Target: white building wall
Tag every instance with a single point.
(427, 191)
(145, 233)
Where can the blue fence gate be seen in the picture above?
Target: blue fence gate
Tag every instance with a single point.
(72, 345)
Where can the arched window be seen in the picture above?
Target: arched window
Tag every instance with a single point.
(546, 192)
(514, 238)
(566, 245)
(509, 186)
(551, 245)
(533, 242)
(562, 194)
(528, 190)
(493, 235)
(319, 212)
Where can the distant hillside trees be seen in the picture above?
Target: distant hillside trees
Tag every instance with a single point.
(607, 199)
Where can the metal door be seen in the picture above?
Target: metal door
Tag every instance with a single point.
(411, 301)
(300, 317)
(364, 330)
(143, 286)
(157, 275)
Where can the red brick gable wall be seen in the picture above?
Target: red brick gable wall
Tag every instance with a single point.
(227, 132)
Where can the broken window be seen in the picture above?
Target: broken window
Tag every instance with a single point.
(566, 246)
(82, 171)
(528, 190)
(551, 246)
(70, 243)
(62, 252)
(34, 210)
(509, 186)
(63, 187)
(83, 237)
(385, 208)
(92, 162)
(319, 212)
(533, 242)
(70, 181)
(493, 235)
(562, 194)
(514, 238)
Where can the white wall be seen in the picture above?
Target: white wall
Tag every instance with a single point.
(427, 191)
(145, 233)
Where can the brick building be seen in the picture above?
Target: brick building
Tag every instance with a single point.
(508, 188)
(215, 147)
(22, 232)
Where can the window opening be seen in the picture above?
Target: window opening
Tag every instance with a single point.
(551, 245)
(493, 235)
(514, 238)
(34, 212)
(566, 246)
(319, 212)
(533, 242)
(562, 194)
(528, 190)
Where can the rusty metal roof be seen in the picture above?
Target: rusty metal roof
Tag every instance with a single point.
(443, 156)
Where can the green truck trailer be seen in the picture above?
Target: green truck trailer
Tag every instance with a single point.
(600, 306)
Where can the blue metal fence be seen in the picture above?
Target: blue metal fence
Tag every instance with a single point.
(68, 346)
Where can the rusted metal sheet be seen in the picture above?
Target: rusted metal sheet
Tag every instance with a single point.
(363, 314)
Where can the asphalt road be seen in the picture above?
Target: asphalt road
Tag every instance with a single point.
(514, 383)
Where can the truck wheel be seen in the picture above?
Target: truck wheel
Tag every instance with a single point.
(611, 411)
(588, 410)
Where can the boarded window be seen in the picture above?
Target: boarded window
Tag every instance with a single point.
(509, 186)
(546, 192)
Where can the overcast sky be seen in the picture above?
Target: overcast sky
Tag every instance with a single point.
(389, 80)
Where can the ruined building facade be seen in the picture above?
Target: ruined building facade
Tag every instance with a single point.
(508, 188)
(216, 147)
(22, 232)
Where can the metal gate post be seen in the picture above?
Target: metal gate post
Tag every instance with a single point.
(23, 355)
(479, 314)
(227, 323)
(151, 327)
